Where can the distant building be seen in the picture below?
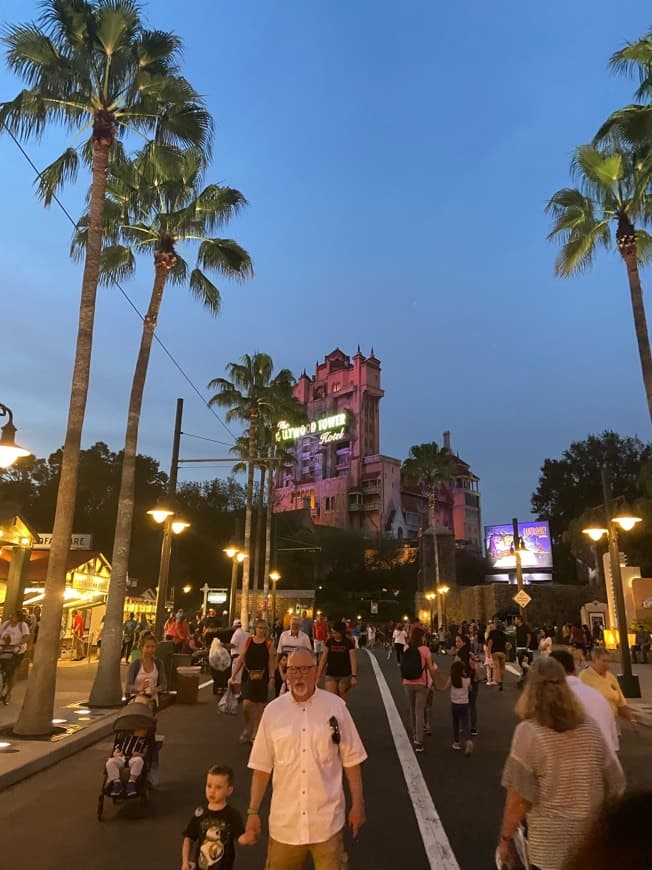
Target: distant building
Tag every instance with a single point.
(336, 470)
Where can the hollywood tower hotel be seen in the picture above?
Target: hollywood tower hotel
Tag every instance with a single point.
(336, 468)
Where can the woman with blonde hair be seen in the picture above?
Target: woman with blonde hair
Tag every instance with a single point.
(559, 772)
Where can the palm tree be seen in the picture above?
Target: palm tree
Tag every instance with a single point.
(430, 466)
(89, 65)
(156, 208)
(249, 396)
(613, 188)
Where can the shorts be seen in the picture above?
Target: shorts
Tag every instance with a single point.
(329, 855)
(343, 683)
(238, 677)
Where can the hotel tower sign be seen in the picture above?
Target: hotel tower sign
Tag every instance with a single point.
(329, 429)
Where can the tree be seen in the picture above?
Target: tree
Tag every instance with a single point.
(248, 394)
(430, 466)
(154, 205)
(88, 64)
(570, 488)
(614, 186)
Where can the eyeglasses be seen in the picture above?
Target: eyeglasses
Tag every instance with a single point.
(335, 736)
(303, 670)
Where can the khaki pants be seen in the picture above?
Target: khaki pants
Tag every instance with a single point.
(499, 666)
(329, 855)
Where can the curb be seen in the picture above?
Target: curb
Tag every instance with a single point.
(63, 750)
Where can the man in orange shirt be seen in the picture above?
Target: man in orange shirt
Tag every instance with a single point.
(77, 636)
(320, 632)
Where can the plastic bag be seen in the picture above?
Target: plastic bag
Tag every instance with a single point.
(219, 658)
(228, 703)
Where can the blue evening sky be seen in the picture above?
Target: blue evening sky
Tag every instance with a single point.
(397, 158)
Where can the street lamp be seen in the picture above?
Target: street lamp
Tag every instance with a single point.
(431, 596)
(629, 682)
(9, 450)
(164, 516)
(274, 576)
(237, 557)
(443, 590)
(187, 588)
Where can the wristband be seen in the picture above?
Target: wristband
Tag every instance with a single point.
(354, 676)
(252, 812)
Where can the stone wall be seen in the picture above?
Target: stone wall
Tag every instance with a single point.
(552, 603)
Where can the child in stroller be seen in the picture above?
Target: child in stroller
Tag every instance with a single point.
(132, 753)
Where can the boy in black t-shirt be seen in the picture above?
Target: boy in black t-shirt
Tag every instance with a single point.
(211, 833)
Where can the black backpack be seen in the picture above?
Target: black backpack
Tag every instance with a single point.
(411, 665)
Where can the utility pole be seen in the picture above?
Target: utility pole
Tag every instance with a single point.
(166, 546)
(629, 682)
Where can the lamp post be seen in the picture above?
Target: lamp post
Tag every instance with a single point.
(443, 590)
(172, 525)
(9, 450)
(237, 557)
(431, 597)
(629, 682)
(274, 576)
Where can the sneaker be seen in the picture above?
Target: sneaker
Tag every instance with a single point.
(474, 733)
(468, 748)
(456, 746)
(116, 789)
(491, 683)
(131, 789)
(418, 747)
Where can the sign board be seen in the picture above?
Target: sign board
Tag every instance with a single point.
(536, 549)
(522, 598)
(217, 596)
(77, 541)
(329, 429)
(373, 608)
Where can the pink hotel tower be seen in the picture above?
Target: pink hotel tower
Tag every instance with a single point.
(338, 472)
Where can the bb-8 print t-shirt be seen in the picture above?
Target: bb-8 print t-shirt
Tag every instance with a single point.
(214, 833)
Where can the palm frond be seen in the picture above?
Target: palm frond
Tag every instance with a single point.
(178, 274)
(225, 256)
(54, 176)
(205, 291)
(117, 262)
(644, 247)
(26, 115)
(630, 126)
(635, 58)
(597, 170)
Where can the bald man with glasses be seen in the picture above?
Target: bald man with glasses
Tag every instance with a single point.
(305, 740)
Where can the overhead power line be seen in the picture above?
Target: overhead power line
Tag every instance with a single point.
(158, 340)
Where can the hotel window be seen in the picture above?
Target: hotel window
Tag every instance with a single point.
(337, 388)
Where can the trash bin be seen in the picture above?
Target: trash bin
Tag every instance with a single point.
(188, 684)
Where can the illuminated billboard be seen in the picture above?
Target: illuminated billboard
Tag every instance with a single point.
(536, 549)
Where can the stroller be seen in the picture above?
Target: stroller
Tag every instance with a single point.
(136, 717)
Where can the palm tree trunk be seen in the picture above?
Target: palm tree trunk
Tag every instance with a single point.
(258, 543)
(640, 325)
(107, 688)
(35, 718)
(268, 530)
(244, 603)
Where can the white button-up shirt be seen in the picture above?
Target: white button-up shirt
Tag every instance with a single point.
(598, 709)
(294, 740)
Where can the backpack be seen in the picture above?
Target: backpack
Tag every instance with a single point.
(412, 666)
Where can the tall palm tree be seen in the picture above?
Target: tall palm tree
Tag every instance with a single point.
(155, 206)
(90, 66)
(430, 466)
(613, 189)
(241, 449)
(248, 395)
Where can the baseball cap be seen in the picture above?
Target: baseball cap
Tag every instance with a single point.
(237, 622)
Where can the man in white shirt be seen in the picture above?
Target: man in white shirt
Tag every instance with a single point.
(294, 638)
(306, 738)
(593, 702)
(14, 634)
(238, 643)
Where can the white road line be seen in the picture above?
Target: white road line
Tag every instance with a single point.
(435, 841)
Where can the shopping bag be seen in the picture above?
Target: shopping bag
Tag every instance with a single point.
(520, 859)
(228, 703)
(219, 658)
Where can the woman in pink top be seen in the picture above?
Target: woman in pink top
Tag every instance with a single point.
(418, 672)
